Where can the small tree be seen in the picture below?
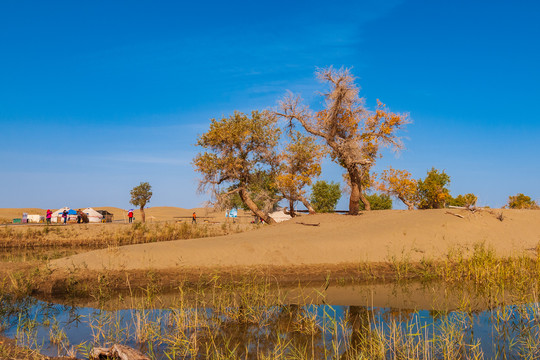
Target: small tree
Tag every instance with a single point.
(324, 196)
(466, 200)
(140, 196)
(240, 151)
(521, 201)
(378, 202)
(432, 191)
(398, 183)
(301, 163)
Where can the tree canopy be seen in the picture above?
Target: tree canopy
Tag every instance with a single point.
(324, 196)
(351, 133)
(240, 150)
(301, 163)
(140, 196)
(400, 184)
(432, 191)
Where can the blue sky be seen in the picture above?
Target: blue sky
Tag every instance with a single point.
(98, 96)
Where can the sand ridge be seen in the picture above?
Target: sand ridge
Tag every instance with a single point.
(377, 236)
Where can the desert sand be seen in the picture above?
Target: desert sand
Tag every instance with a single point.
(373, 237)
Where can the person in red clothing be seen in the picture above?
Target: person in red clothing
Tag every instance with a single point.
(130, 215)
(48, 216)
(194, 219)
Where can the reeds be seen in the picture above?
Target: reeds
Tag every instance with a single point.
(250, 317)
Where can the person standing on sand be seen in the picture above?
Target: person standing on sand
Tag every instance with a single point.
(194, 219)
(130, 215)
(64, 216)
(48, 216)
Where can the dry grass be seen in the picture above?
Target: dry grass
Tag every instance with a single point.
(104, 235)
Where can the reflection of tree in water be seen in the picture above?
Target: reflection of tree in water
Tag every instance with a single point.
(290, 329)
(359, 342)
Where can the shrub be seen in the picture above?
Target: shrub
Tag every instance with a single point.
(378, 202)
(324, 196)
(521, 201)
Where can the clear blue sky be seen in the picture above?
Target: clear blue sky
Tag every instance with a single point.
(98, 96)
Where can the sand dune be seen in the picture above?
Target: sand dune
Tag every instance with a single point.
(376, 236)
(12, 213)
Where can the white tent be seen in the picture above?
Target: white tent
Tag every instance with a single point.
(58, 213)
(93, 215)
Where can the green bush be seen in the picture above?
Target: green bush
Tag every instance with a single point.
(378, 202)
(324, 196)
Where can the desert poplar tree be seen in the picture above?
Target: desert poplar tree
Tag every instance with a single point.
(240, 150)
(301, 163)
(399, 184)
(433, 192)
(140, 196)
(352, 134)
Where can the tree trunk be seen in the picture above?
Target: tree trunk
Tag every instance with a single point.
(356, 193)
(354, 199)
(307, 205)
(409, 204)
(365, 201)
(253, 207)
(291, 208)
(143, 216)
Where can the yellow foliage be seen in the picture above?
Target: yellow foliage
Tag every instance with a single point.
(300, 165)
(398, 183)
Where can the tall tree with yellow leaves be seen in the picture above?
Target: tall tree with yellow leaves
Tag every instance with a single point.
(239, 150)
(399, 184)
(301, 164)
(352, 134)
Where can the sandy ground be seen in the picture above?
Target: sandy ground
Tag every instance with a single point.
(377, 236)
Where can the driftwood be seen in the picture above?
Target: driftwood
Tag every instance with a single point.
(459, 216)
(306, 224)
(117, 351)
(471, 208)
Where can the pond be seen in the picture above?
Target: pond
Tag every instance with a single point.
(309, 321)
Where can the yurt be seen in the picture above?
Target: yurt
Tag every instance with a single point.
(36, 218)
(57, 215)
(93, 215)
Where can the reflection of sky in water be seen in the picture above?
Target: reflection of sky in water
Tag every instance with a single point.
(75, 322)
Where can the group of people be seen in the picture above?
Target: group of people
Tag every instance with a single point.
(81, 216)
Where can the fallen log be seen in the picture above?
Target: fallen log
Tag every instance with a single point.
(117, 351)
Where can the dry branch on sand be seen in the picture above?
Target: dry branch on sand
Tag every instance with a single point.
(459, 216)
(306, 224)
